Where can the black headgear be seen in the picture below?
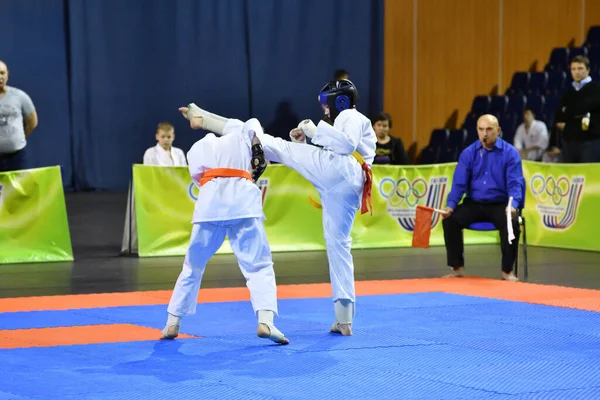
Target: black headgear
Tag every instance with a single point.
(338, 95)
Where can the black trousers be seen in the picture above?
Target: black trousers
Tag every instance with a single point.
(14, 161)
(585, 151)
(469, 212)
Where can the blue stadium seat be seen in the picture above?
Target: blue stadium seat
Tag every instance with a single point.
(498, 104)
(556, 82)
(432, 154)
(481, 105)
(594, 56)
(536, 103)
(519, 83)
(576, 51)
(471, 138)
(550, 106)
(454, 145)
(470, 123)
(551, 103)
(559, 60)
(516, 104)
(537, 83)
(508, 126)
(593, 36)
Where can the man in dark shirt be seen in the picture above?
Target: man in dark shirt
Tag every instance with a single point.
(390, 150)
(579, 116)
(489, 172)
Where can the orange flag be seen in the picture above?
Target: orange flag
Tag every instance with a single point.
(422, 230)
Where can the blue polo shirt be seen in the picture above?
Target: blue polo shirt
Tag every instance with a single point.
(488, 176)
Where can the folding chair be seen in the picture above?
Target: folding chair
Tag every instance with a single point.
(488, 226)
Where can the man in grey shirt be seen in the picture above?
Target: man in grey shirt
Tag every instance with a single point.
(17, 120)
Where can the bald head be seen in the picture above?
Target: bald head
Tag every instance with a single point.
(489, 118)
(488, 130)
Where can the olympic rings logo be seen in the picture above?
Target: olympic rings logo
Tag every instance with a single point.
(403, 191)
(548, 189)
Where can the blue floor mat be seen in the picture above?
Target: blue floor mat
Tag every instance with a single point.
(410, 346)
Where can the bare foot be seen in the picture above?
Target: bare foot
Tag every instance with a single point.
(263, 331)
(343, 329)
(509, 277)
(196, 122)
(456, 273)
(170, 332)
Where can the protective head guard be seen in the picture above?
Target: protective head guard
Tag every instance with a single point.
(338, 95)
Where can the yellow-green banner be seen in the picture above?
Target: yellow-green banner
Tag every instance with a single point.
(165, 196)
(561, 208)
(33, 217)
(563, 205)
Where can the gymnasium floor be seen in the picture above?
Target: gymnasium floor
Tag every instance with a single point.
(91, 332)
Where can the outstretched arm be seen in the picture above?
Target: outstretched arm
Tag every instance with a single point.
(342, 138)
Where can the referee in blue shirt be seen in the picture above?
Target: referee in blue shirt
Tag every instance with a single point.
(488, 172)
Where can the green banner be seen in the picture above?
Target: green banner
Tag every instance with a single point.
(563, 205)
(165, 196)
(33, 217)
(561, 208)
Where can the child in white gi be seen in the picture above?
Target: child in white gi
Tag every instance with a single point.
(229, 204)
(164, 154)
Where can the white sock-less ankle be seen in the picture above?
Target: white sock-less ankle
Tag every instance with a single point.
(173, 320)
(344, 311)
(266, 317)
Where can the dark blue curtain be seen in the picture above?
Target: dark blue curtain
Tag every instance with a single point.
(295, 48)
(125, 66)
(33, 45)
(132, 67)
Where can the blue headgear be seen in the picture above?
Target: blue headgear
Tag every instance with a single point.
(338, 96)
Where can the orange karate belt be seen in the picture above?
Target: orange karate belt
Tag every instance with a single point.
(366, 198)
(224, 173)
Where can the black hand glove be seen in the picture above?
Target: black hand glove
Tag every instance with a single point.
(259, 162)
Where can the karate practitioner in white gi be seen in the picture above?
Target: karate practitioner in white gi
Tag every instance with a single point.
(339, 167)
(229, 204)
(164, 154)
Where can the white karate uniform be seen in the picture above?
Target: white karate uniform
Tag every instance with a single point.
(160, 157)
(226, 206)
(537, 136)
(339, 179)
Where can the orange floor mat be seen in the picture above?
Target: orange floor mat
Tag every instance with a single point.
(71, 335)
(584, 299)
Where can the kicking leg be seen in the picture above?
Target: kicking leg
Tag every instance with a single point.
(313, 163)
(205, 240)
(249, 243)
